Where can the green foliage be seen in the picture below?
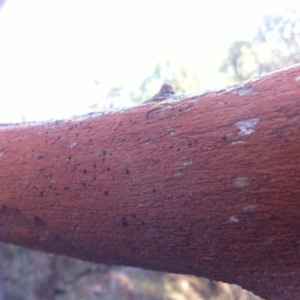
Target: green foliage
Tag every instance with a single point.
(276, 45)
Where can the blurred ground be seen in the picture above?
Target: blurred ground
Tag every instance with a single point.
(33, 275)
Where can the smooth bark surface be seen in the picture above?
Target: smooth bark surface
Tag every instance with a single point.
(209, 186)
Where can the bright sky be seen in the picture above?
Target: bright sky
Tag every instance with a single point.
(52, 52)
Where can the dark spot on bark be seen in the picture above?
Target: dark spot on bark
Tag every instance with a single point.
(9, 210)
(77, 134)
(224, 138)
(104, 152)
(106, 193)
(124, 222)
(103, 160)
(171, 147)
(66, 188)
(56, 238)
(69, 157)
(39, 221)
(58, 137)
(196, 141)
(84, 184)
(57, 194)
(127, 171)
(84, 171)
(180, 110)
(154, 190)
(42, 194)
(113, 178)
(190, 144)
(133, 215)
(95, 166)
(46, 176)
(94, 178)
(110, 154)
(40, 157)
(143, 223)
(59, 291)
(91, 140)
(178, 149)
(108, 169)
(50, 187)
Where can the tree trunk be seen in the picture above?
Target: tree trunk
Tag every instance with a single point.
(208, 186)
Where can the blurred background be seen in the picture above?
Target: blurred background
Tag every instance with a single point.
(64, 58)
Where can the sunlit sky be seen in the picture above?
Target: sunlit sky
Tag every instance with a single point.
(53, 52)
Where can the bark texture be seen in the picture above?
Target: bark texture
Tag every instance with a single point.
(208, 186)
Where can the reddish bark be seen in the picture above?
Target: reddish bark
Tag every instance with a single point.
(209, 186)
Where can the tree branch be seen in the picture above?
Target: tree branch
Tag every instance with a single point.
(208, 186)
